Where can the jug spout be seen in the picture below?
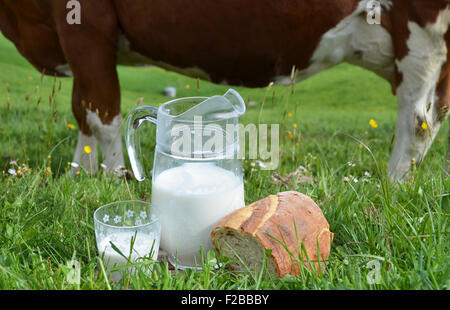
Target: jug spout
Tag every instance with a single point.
(230, 105)
(236, 100)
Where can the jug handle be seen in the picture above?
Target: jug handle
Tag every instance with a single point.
(134, 121)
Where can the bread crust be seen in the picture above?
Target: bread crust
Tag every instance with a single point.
(279, 217)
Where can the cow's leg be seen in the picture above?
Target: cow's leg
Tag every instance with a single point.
(96, 105)
(109, 136)
(86, 139)
(91, 51)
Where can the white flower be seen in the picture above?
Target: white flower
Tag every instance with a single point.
(138, 222)
(74, 165)
(13, 163)
(120, 168)
(350, 164)
(104, 167)
(106, 218)
(117, 219)
(12, 171)
(302, 168)
(129, 213)
(367, 174)
(143, 214)
(261, 164)
(351, 178)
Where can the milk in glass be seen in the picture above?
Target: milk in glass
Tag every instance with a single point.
(190, 200)
(144, 245)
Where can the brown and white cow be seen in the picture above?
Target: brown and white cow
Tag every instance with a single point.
(251, 43)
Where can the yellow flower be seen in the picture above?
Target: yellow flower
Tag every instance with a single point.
(424, 126)
(291, 136)
(297, 144)
(70, 126)
(373, 124)
(160, 104)
(48, 171)
(188, 86)
(77, 173)
(87, 149)
(294, 125)
(289, 114)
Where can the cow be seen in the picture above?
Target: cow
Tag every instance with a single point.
(250, 43)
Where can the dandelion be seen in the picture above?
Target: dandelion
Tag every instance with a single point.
(373, 123)
(87, 149)
(294, 125)
(188, 86)
(297, 144)
(70, 126)
(77, 173)
(425, 126)
(290, 135)
(289, 114)
(48, 171)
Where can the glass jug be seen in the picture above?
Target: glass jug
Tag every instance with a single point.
(197, 173)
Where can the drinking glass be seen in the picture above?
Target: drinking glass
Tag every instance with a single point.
(126, 231)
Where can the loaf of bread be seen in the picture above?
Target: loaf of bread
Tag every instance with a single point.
(277, 222)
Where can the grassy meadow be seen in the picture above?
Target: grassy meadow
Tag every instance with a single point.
(46, 216)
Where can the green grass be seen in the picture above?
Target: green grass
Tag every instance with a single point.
(46, 218)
